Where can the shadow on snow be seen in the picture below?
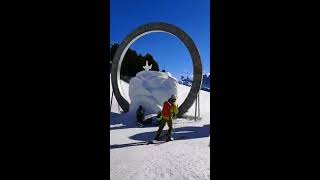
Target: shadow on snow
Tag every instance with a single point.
(181, 133)
(124, 121)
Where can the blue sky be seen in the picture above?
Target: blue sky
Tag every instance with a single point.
(193, 16)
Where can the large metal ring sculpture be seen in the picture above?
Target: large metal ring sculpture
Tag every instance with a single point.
(150, 28)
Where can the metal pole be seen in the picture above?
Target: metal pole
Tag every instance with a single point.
(195, 108)
(119, 109)
(111, 100)
(198, 106)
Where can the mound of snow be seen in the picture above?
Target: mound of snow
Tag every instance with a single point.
(151, 89)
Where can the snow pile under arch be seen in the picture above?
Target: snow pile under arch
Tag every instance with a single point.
(151, 89)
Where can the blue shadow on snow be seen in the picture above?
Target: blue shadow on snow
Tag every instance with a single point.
(182, 133)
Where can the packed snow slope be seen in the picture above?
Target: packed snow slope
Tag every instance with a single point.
(187, 157)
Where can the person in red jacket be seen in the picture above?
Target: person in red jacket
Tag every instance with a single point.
(169, 111)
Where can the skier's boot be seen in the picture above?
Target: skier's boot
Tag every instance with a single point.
(157, 138)
(169, 139)
(140, 125)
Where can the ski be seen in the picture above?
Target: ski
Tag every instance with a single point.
(156, 142)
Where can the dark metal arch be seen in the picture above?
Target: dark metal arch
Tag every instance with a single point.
(150, 28)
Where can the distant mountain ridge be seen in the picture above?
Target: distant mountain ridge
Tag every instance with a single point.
(205, 82)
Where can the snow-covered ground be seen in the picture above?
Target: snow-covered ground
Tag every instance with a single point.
(187, 157)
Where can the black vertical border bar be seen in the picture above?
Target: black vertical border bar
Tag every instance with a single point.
(106, 35)
(216, 69)
(103, 39)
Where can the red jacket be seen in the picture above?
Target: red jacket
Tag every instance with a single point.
(166, 110)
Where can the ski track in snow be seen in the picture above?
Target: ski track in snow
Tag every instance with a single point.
(181, 159)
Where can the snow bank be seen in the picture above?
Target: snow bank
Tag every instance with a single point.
(186, 158)
(151, 89)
